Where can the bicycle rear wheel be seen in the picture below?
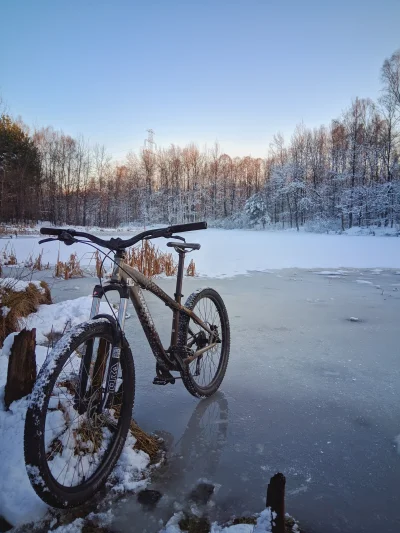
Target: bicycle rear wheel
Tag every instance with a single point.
(203, 376)
(70, 444)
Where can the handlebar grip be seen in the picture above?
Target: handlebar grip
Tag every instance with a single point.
(51, 231)
(192, 226)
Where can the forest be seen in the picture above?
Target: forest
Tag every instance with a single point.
(337, 176)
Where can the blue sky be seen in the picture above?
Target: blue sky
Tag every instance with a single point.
(235, 71)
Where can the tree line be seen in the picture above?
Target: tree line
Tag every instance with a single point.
(341, 175)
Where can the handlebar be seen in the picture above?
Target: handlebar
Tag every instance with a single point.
(68, 235)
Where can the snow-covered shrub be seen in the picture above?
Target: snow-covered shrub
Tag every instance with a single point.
(256, 210)
(322, 224)
(18, 299)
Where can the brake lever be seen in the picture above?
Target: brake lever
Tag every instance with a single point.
(177, 237)
(47, 240)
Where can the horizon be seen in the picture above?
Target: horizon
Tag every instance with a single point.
(194, 73)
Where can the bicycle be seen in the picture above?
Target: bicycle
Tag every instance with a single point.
(80, 408)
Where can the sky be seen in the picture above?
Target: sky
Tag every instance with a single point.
(232, 71)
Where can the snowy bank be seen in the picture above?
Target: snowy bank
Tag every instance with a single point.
(19, 504)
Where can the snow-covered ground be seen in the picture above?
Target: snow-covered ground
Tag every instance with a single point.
(227, 253)
(19, 503)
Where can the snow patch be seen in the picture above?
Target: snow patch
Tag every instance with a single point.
(57, 317)
(19, 503)
(74, 527)
(263, 525)
(18, 285)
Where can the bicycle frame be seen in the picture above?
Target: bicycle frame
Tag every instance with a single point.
(129, 282)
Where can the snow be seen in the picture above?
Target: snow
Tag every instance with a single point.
(19, 285)
(57, 317)
(263, 525)
(225, 253)
(130, 463)
(19, 503)
(238, 528)
(364, 281)
(73, 527)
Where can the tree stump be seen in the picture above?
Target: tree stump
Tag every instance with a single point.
(21, 374)
(276, 502)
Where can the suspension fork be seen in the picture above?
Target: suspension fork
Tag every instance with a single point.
(112, 359)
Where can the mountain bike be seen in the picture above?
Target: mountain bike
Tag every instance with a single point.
(80, 409)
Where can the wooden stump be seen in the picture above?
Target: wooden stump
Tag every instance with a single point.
(276, 502)
(21, 374)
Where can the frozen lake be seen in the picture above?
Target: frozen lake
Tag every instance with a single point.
(308, 392)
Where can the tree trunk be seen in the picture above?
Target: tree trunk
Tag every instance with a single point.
(21, 374)
(276, 502)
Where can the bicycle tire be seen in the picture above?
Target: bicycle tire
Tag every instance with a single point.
(206, 390)
(44, 483)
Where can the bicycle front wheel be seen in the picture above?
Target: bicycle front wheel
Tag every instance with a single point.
(203, 376)
(71, 444)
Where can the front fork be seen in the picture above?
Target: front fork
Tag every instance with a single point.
(112, 360)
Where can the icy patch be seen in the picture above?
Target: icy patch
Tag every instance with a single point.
(256, 251)
(397, 441)
(364, 282)
(332, 273)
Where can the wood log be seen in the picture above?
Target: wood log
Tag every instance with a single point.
(276, 502)
(21, 374)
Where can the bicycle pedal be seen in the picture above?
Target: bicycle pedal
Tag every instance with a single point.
(163, 381)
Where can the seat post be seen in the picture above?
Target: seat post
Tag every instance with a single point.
(179, 278)
(178, 297)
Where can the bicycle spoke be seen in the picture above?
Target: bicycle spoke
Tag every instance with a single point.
(205, 368)
(81, 441)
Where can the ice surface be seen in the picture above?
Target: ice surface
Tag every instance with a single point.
(226, 253)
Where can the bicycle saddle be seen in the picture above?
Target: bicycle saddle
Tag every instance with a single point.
(184, 245)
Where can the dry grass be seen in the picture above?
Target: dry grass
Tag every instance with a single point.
(191, 269)
(88, 437)
(8, 256)
(16, 305)
(148, 443)
(36, 263)
(144, 441)
(195, 524)
(99, 264)
(151, 261)
(69, 269)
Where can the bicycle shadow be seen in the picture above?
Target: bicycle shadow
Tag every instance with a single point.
(186, 481)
